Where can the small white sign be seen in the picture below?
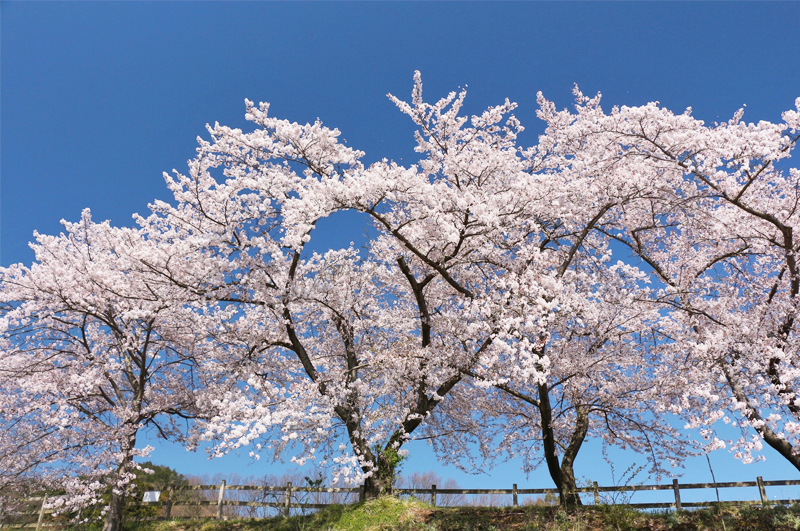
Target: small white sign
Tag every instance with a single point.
(151, 495)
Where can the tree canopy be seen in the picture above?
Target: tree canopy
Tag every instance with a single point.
(628, 268)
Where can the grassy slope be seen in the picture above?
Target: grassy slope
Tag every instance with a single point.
(391, 514)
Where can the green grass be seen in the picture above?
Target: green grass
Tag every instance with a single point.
(392, 514)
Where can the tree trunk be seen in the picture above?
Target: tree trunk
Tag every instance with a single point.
(116, 505)
(568, 493)
(563, 475)
(382, 478)
(375, 486)
(570, 487)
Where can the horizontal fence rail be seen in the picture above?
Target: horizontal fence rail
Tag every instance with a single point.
(287, 491)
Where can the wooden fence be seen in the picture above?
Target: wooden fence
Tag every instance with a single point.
(288, 493)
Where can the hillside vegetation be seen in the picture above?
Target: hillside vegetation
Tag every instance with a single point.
(392, 514)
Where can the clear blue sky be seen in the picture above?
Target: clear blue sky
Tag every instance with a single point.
(98, 99)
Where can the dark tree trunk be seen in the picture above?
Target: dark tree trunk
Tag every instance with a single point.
(568, 493)
(562, 474)
(377, 485)
(570, 486)
(549, 441)
(381, 481)
(116, 505)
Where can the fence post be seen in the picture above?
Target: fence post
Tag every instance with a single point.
(433, 495)
(41, 513)
(761, 490)
(514, 495)
(220, 499)
(361, 494)
(287, 499)
(168, 509)
(596, 493)
(677, 494)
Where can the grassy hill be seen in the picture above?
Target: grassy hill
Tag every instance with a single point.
(392, 514)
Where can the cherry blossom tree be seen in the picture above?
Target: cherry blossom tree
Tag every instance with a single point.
(329, 346)
(487, 306)
(511, 232)
(719, 236)
(486, 257)
(607, 379)
(93, 351)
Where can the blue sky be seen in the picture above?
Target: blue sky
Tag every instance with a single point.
(97, 99)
